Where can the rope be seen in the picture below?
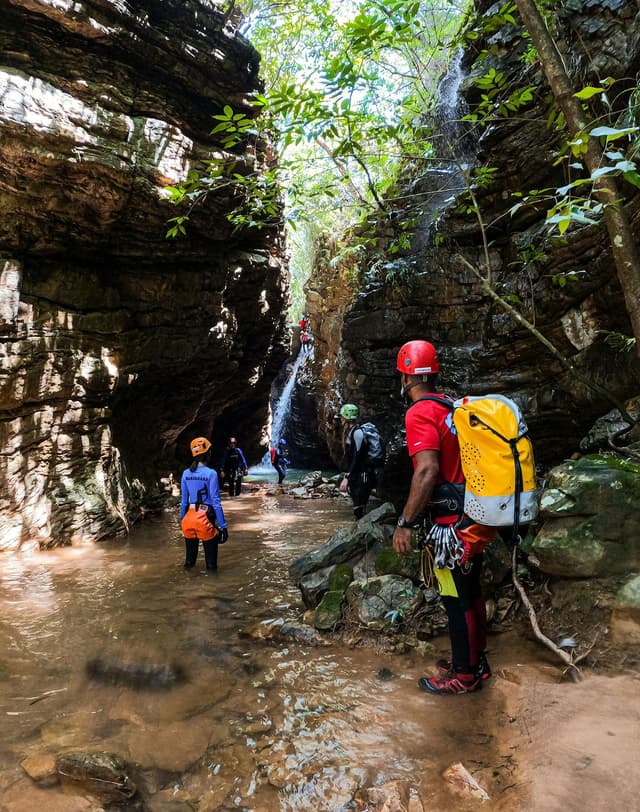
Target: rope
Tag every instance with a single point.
(426, 569)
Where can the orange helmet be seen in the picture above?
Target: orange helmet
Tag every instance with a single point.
(418, 358)
(199, 446)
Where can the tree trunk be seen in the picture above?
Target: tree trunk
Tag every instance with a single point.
(623, 244)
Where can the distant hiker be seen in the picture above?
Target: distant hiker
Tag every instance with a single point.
(234, 467)
(280, 459)
(202, 519)
(304, 340)
(303, 323)
(364, 458)
(435, 501)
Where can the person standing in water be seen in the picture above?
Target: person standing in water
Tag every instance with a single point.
(234, 467)
(201, 516)
(280, 459)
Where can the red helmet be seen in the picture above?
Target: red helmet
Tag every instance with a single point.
(418, 358)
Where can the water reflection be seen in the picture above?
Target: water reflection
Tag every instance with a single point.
(256, 725)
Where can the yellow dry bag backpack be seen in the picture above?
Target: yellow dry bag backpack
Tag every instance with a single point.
(497, 460)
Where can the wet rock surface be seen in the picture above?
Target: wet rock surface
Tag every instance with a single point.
(118, 345)
(101, 774)
(590, 519)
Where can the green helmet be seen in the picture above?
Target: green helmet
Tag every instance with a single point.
(349, 411)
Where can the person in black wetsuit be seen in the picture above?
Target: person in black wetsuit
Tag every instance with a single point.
(360, 479)
(234, 467)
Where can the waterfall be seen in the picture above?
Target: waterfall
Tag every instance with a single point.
(280, 412)
(451, 134)
(453, 146)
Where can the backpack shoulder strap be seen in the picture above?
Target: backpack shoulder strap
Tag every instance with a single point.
(442, 401)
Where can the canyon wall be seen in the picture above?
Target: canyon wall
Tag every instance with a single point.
(117, 344)
(361, 313)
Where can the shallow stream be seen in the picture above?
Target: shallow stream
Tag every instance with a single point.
(257, 724)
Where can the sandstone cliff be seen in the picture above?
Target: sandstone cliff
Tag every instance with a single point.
(429, 293)
(117, 344)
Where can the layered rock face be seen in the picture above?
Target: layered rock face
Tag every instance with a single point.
(567, 287)
(117, 344)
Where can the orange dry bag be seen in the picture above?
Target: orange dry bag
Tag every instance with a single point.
(196, 524)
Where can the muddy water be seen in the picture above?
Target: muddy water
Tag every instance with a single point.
(256, 725)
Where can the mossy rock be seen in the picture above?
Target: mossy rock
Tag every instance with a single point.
(328, 613)
(340, 578)
(388, 562)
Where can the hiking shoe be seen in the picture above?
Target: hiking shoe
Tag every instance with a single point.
(483, 671)
(451, 684)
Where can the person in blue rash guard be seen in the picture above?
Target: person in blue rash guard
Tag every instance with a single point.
(201, 516)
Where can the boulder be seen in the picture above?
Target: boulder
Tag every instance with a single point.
(135, 674)
(375, 601)
(346, 544)
(388, 562)
(328, 615)
(340, 578)
(314, 585)
(597, 439)
(591, 519)
(625, 617)
(41, 769)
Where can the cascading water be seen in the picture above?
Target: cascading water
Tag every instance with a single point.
(453, 147)
(280, 412)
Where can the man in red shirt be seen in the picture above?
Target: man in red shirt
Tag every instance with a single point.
(436, 496)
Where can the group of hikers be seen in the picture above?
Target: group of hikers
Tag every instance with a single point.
(433, 506)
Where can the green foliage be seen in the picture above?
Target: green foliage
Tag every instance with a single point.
(561, 280)
(346, 86)
(233, 127)
(573, 204)
(618, 341)
(493, 103)
(489, 24)
(481, 177)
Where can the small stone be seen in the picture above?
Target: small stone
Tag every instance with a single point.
(41, 768)
(463, 782)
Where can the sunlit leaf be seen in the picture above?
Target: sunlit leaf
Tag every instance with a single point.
(611, 133)
(588, 92)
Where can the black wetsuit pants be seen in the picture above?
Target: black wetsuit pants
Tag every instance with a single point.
(234, 482)
(467, 616)
(281, 468)
(360, 487)
(210, 553)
